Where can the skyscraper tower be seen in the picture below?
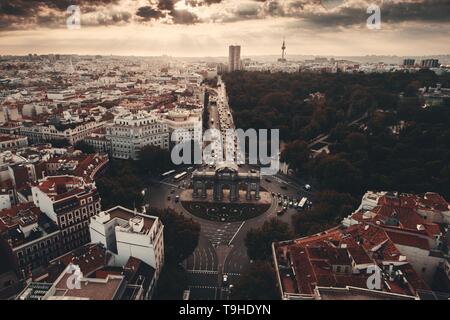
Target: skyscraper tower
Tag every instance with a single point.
(234, 58)
(283, 52)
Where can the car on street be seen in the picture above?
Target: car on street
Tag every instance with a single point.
(225, 280)
(177, 199)
(268, 180)
(168, 198)
(280, 212)
(307, 187)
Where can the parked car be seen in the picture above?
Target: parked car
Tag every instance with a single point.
(307, 187)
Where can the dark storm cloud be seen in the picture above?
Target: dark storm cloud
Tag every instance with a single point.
(432, 11)
(149, 13)
(166, 5)
(181, 16)
(428, 10)
(184, 17)
(25, 14)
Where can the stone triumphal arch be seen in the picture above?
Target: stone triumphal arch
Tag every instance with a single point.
(226, 176)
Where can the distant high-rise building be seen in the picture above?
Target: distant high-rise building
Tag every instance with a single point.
(409, 62)
(430, 63)
(234, 58)
(283, 52)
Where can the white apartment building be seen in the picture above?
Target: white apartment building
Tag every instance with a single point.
(9, 142)
(184, 125)
(61, 94)
(11, 113)
(129, 234)
(133, 131)
(32, 109)
(5, 200)
(71, 132)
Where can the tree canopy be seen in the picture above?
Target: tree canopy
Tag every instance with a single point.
(257, 282)
(259, 241)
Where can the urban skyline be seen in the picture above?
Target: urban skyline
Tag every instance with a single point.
(193, 150)
(198, 28)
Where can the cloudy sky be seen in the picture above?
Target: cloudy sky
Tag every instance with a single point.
(207, 27)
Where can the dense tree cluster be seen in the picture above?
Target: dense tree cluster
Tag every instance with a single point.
(257, 282)
(84, 147)
(180, 240)
(259, 241)
(121, 185)
(330, 208)
(154, 161)
(180, 235)
(280, 100)
(399, 146)
(124, 180)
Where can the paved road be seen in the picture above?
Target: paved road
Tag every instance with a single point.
(203, 266)
(221, 249)
(204, 257)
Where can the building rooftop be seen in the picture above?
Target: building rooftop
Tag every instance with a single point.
(10, 137)
(82, 165)
(62, 187)
(340, 257)
(134, 221)
(89, 258)
(24, 223)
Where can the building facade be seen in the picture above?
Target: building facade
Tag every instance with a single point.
(133, 131)
(9, 142)
(72, 133)
(128, 234)
(69, 202)
(234, 58)
(430, 63)
(184, 125)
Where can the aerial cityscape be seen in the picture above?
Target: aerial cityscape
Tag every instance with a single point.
(202, 150)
